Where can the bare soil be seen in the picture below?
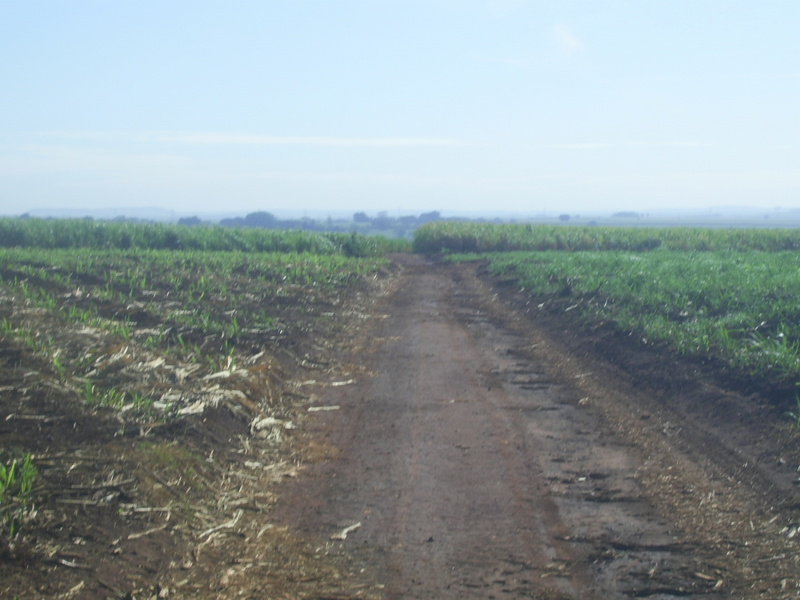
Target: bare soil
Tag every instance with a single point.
(494, 450)
(446, 437)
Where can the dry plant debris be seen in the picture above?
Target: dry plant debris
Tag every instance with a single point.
(158, 395)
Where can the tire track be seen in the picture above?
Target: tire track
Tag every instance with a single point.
(475, 471)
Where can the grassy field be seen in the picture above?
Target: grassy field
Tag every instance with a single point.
(726, 295)
(209, 309)
(739, 307)
(63, 234)
(478, 237)
(126, 331)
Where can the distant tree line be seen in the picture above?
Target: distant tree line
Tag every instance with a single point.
(361, 222)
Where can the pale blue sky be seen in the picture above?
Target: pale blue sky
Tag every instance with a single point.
(410, 105)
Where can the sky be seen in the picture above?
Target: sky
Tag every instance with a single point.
(522, 106)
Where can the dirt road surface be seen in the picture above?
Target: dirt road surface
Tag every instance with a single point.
(478, 453)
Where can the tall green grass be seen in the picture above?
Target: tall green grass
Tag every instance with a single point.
(457, 237)
(740, 307)
(73, 233)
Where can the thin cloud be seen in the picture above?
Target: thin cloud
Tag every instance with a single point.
(32, 159)
(580, 146)
(243, 139)
(606, 145)
(265, 140)
(567, 42)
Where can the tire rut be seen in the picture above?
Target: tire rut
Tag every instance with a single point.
(475, 469)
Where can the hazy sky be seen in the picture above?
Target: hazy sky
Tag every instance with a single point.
(411, 105)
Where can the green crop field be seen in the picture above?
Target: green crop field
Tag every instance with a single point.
(85, 303)
(447, 236)
(124, 335)
(727, 295)
(62, 234)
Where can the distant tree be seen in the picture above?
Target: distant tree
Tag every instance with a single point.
(361, 217)
(189, 221)
(260, 219)
(626, 215)
(563, 218)
(408, 221)
(383, 220)
(430, 216)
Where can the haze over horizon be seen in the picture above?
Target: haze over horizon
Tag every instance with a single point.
(404, 105)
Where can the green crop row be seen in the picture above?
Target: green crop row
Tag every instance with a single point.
(742, 308)
(196, 286)
(17, 477)
(73, 233)
(137, 269)
(447, 236)
(201, 307)
(142, 338)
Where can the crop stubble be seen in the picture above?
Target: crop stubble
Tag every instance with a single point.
(542, 472)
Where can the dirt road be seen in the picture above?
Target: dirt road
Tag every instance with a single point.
(474, 457)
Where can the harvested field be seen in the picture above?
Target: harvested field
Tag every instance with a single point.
(411, 430)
